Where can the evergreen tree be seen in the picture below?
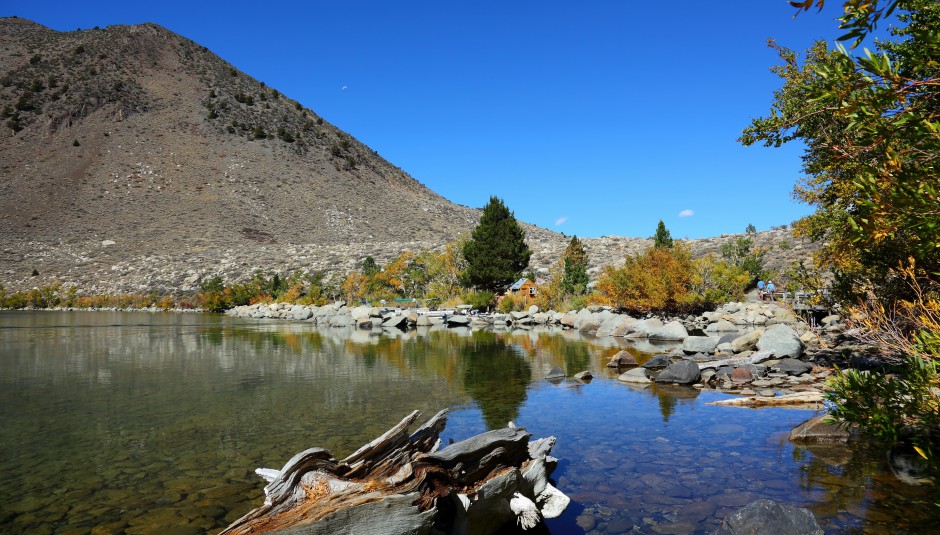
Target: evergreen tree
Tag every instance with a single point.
(575, 279)
(575, 251)
(369, 267)
(662, 237)
(496, 253)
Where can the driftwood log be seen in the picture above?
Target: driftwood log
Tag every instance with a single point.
(799, 398)
(401, 483)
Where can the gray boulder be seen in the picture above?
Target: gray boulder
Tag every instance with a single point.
(684, 372)
(746, 342)
(646, 327)
(820, 430)
(700, 344)
(636, 375)
(395, 321)
(555, 373)
(767, 517)
(794, 367)
(657, 362)
(622, 359)
(674, 330)
(458, 320)
(782, 340)
(341, 321)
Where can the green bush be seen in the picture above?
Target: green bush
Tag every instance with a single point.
(893, 409)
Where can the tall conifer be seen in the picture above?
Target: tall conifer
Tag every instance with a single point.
(496, 253)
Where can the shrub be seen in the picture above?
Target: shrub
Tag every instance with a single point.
(663, 279)
(482, 300)
(655, 280)
(507, 304)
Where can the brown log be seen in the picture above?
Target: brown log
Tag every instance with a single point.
(401, 483)
(799, 398)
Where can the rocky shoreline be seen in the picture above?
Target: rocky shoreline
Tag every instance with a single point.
(759, 349)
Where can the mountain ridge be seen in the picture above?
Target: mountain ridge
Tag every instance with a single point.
(139, 160)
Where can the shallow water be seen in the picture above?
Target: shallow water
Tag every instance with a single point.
(154, 423)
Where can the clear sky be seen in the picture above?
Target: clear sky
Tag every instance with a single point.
(590, 118)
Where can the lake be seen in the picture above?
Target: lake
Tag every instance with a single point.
(127, 422)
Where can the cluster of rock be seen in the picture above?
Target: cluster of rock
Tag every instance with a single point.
(757, 349)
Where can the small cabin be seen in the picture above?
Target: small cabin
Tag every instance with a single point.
(522, 288)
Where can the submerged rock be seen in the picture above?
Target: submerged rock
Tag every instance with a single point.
(767, 517)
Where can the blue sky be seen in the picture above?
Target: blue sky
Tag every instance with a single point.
(589, 118)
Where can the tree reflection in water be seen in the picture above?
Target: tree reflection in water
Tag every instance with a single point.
(496, 376)
(856, 486)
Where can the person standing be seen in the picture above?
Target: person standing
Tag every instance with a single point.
(771, 289)
(760, 290)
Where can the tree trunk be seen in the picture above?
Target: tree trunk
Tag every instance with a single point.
(401, 483)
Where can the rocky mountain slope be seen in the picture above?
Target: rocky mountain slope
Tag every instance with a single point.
(134, 159)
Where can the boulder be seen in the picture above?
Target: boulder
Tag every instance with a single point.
(361, 312)
(684, 372)
(722, 326)
(647, 326)
(395, 321)
(700, 344)
(657, 362)
(820, 430)
(767, 517)
(794, 367)
(741, 375)
(588, 327)
(584, 376)
(674, 330)
(636, 375)
(341, 321)
(555, 373)
(727, 338)
(423, 321)
(568, 320)
(611, 324)
(533, 310)
(746, 342)
(782, 340)
(624, 329)
(622, 359)
(458, 319)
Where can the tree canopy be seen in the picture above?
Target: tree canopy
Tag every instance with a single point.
(496, 252)
(871, 126)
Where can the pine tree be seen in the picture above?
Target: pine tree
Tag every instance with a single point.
(575, 279)
(496, 253)
(369, 267)
(662, 237)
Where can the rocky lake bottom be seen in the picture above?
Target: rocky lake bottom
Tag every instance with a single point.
(122, 422)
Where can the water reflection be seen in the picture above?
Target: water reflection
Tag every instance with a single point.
(496, 376)
(143, 422)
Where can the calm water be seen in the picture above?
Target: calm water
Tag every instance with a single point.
(154, 423)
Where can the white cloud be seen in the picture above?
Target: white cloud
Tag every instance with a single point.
(686, 213)
(560, 221)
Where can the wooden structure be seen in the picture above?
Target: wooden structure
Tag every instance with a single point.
(522, 289)
(400, 483)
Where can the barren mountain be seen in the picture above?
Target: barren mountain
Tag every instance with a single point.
(135, 159)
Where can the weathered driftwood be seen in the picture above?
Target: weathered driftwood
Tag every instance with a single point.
(799, 398)
(401, 483)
